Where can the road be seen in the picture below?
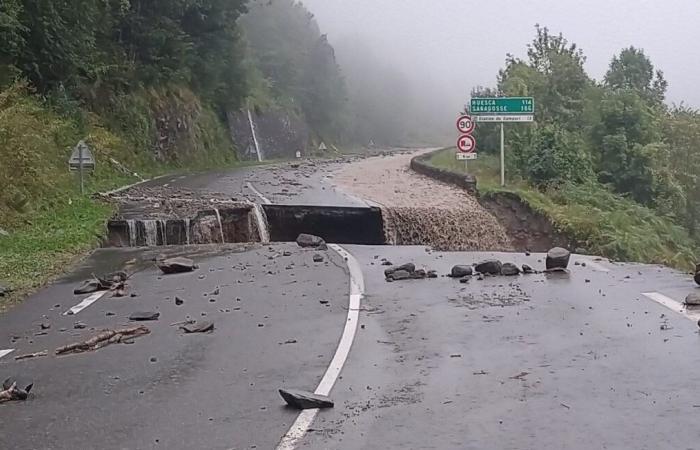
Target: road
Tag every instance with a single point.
(601, 357)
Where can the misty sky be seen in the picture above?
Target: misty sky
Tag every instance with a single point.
(448, 46)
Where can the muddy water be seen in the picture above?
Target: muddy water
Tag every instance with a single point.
(418, 210)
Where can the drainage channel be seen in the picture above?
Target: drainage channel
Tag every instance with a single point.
(250, 223)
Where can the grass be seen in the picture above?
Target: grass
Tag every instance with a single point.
(600, 221)
(49, 221)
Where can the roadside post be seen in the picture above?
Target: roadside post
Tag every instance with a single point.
(502, 110)
(81, 160)
(466, 144)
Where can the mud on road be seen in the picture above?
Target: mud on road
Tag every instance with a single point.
(419, 210)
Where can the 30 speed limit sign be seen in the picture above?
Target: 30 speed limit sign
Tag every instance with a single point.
(465, 124)
(466, 144)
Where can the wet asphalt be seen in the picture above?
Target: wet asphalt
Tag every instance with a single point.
(580, 360)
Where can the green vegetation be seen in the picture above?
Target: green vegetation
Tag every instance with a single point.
(609, 162)
(600, 221)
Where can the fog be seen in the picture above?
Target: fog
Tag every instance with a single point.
(443, 48)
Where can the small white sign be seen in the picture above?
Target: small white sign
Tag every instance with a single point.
(507, 118)
(465, 156)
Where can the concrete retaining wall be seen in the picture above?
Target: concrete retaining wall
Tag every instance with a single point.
(420, 165)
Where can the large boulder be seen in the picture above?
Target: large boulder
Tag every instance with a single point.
(558, 258)
(311, 241)
(399, 275)
(510, 270)
(460, 271)
(305, 400)
(176, 265)
(693, 299)
(408, 267)
(490, 267)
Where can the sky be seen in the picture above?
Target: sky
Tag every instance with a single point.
(446, 47)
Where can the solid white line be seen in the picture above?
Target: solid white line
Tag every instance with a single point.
(357, 288)
(85, 303)
(6, 352)
(257, 192)
(673, 305)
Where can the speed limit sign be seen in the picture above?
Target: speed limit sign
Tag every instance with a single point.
(466, 144)
(465, 124)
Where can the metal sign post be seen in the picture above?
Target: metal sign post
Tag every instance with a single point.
(503, 109)
(81, 160)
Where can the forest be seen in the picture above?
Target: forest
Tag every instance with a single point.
(610, 140)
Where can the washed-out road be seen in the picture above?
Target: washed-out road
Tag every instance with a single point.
(604, 356)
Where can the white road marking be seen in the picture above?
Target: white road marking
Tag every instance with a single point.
(673, 305)
(85, 303)
(257, 192)
(6, 352)
(357, 288)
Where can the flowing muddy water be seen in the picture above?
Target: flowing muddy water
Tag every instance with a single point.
(418, 210)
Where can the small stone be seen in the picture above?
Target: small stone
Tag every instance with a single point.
(460, 271)
(466, 280)
(583, 264)
(179, 301)
(419, 274)
(557, 258)
(177, 265)
(693, 299)
(287, 253)
(216, 291)
(309, 240)
(142, 316)
(387, 263)
(305, 400)
(109, 313)
(79, 325)
(324, 302)
(432, 274)
(201, 327)
(490, 267)
(318, 258)
(260, 325)
(510, 270)
(45, 326)
(527, 269)
(133, 295)
(153, 359)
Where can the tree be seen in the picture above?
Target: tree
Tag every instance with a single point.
(554, 156)
(12, 37)
(633, 70)
(682, 132)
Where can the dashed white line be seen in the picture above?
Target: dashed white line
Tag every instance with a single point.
(85, 303)
(357, 288)
(6, 352)
(673, 305)
(257, 192)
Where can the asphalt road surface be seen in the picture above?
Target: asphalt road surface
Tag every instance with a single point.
(604, 357)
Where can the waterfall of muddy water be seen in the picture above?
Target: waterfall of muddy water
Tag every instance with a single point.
(261, 223)
(443, 229)
(221, 225)
(187, 231)
(162, 225)
(255, 137)
(132, 232)
(151, 230)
